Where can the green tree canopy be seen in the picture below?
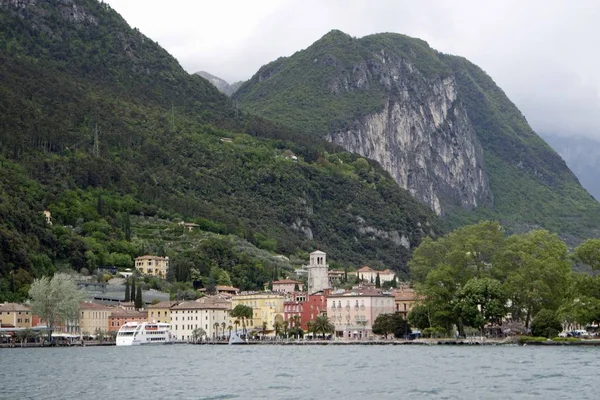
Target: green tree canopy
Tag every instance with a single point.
(545, 323)
(56, 299)
(588, 253)
(322, 325)
(481, 301)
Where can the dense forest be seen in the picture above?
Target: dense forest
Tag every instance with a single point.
(103, 128)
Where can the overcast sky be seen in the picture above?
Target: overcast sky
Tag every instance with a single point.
(545, 54)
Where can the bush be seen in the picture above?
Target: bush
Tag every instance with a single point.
(546, 324)
(532, 339)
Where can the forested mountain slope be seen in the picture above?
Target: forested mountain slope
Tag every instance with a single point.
(437, 123)
(98, 122)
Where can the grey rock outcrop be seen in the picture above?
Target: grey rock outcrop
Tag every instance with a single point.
(224, 87)
(422, 136)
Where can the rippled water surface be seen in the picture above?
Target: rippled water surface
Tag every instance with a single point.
(300, 372)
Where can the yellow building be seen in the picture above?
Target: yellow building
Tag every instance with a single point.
(405, 299)
(152, 265)
(93, 317)
(17, 315)
(267, 307)
(161, 312)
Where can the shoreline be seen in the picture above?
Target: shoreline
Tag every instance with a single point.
(416, 342)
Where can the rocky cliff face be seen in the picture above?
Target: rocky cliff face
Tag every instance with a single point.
(422, 137)
(224, 87)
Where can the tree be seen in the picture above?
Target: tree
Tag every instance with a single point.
(198, 334)
(588, 253)
(56, 299)
(383, 325)
(545, 323)
(481, 301)
(296, 321)
(323, 325)
(243, 312)
(127, 292)
(296, 287)
(418, 317)
(278, 327)
(538, 272)
(401, 327)
(138, 298)
(211, 288)
(216, 330)
(132, 293)
(377, 281)
(386, 324)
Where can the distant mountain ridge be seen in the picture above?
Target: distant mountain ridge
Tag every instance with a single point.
(98, 122)
(221, 84)
(437, 123)
(582, 155)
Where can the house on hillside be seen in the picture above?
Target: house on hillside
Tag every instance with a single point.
(369, 274)
(152, 265)
(287, 286)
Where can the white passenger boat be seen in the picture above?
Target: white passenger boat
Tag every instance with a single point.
(138, 333)
(235, 338)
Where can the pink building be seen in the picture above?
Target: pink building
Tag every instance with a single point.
(287, 286)
(353, 313)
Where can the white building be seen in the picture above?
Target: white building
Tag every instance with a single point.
(207, 313)
(369, 274)
(318, 278)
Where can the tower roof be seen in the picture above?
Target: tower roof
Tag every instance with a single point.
(318, 252)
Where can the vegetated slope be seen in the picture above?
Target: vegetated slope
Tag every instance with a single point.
(582, 155)
(437, 123)
(99, 122)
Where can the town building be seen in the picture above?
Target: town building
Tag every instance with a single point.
(210, 314)
(223, 290)
(318, 278)
(336, 277)
(93, 318)
(287, 286)
(161, 312)
(353, 313)
(405, 299)
(120, 317)
(152, 265)
(369, 274)
(306, 308)
(267, 308)
(292, 312)
(15, 315)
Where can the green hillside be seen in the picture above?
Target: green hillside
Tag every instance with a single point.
(335, 82)
(102, 127)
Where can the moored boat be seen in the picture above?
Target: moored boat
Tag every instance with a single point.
(142, 333)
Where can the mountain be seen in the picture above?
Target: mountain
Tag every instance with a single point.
(221, 84)
(436, 123)
(102, 127)
(582, 155)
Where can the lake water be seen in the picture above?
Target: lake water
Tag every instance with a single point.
(301, 372)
